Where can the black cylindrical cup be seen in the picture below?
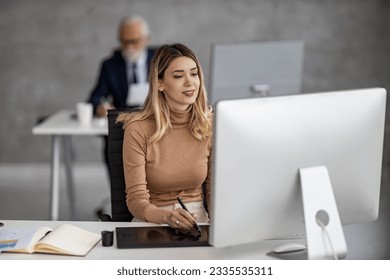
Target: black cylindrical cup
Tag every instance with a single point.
(107, 238)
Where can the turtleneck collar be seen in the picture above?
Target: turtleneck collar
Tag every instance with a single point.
(180, 117)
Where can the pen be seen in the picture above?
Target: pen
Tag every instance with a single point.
(44, 235)
(185, 208)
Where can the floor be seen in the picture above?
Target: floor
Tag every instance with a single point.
(24, 194)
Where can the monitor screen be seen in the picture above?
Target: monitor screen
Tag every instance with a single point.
(255, 69)
(261, 144)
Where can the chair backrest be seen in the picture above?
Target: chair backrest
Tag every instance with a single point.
(119, 208)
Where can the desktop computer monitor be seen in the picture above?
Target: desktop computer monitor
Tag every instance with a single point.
(255, 69)
(263, 148)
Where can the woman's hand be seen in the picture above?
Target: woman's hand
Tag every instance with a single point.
(180, 219)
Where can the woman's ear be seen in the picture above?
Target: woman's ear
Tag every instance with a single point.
(160, 86)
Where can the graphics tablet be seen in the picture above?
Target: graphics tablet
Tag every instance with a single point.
(159, 236)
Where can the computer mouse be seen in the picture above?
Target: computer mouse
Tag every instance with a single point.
(288, 247)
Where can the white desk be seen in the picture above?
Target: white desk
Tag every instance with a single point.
(61, 126)
(253, 251)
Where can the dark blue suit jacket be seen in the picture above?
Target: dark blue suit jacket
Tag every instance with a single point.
(112, 80)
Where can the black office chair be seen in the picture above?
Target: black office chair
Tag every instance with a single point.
(120, 212)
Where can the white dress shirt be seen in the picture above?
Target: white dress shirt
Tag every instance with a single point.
(137, 92)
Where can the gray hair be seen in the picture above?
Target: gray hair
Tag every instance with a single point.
(136, 18)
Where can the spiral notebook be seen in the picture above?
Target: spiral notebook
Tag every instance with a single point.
(160, 236)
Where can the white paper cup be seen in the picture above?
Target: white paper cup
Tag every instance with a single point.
(84, 113)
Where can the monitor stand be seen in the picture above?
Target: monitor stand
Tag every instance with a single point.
(324, 233)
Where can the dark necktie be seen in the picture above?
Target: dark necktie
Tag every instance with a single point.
(135, 80)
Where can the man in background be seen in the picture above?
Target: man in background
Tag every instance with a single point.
(123, 76)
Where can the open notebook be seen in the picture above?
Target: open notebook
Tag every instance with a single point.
(64, 240)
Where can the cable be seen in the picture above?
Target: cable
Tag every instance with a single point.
(321, 224)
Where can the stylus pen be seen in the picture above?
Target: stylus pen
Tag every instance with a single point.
(197, 227)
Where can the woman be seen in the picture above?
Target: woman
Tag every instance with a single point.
(167, 145)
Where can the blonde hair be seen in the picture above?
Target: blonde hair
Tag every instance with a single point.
(156, 106)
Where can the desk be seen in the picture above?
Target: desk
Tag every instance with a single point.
(61, 126)
(253, 251)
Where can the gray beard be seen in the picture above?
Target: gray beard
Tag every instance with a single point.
(132, 57)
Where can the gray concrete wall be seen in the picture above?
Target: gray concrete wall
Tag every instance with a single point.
(50, 50)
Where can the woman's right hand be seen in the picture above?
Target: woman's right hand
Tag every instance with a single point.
(180, 219)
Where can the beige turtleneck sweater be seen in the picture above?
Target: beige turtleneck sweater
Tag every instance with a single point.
(157, 173)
